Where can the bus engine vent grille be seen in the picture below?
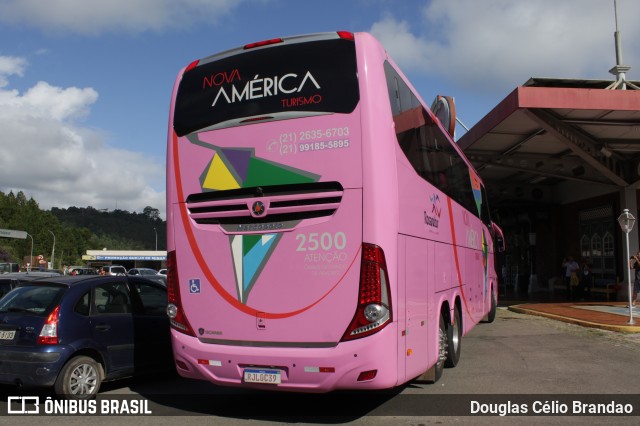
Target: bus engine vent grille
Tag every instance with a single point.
(265, 204)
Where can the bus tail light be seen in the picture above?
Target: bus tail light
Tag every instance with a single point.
(373, 312)
(177, 318)
(192, 65)
(182, 365)
(255, 119)
(262, 43)
(367, 375)
(346, 35)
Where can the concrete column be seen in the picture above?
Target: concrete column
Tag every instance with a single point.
(628, 200)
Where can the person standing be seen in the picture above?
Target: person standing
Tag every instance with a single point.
(586, 280)
(571, 269)
(41, 262)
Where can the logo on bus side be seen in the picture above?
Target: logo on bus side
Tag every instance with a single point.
(432, 218)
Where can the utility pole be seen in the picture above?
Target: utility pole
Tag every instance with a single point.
(53, 250)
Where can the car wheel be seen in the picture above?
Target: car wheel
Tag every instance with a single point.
(454, 340)
(80, 378)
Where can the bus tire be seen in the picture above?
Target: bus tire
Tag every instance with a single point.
(454, 339)
(491, 316)
(442, 349)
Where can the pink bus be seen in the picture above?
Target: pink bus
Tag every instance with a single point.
(324, 231)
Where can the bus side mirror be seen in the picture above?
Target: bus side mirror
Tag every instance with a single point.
(498, 238)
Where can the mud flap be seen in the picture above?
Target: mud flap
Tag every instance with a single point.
(428, 376)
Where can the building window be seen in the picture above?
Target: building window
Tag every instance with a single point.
(585, 247)
(597, 244)
(607, 244)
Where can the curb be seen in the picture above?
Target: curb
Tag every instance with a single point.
(522, 309)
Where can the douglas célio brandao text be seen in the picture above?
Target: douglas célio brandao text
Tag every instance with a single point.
(547, 407)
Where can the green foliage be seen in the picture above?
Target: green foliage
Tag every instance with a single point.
(76, 230)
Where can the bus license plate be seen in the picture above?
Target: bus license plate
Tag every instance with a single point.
(271, 377)
(7, 334)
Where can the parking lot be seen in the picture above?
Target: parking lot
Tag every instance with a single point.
(519, 359)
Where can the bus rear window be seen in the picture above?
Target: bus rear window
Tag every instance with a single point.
(300, 78)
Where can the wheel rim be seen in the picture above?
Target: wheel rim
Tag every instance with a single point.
(455, 338)
(83, 380)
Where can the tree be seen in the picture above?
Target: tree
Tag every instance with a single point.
(76, 229)
(151, 213)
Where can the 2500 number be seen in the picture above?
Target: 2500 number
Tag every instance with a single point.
(325, 241)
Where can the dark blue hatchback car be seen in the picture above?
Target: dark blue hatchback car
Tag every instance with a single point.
(74, 332)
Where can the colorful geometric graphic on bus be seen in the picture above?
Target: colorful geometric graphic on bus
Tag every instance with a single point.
(233, 168)
(250, 254)
(477, 191)
(485, 262)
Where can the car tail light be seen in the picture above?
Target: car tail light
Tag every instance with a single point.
(373, 312)
(49, 333)
(177, 318)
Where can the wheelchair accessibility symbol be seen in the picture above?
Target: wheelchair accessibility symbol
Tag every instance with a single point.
(194, 285)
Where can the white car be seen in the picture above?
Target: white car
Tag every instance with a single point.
(142, 271)
(114, 270)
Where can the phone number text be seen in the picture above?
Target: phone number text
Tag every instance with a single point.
(319, 146)
(315, 134)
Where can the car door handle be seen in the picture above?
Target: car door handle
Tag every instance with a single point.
(103, 327)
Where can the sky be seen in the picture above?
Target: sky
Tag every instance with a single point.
(85, 85)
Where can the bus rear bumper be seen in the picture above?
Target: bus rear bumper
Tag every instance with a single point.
(348, 365)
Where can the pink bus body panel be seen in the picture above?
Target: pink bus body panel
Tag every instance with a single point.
(292, 314)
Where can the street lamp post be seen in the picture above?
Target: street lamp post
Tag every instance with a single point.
(31, 260)
(154, 230)
(53, 251)
(626, 221)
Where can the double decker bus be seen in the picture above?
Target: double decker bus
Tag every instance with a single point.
(324, 230)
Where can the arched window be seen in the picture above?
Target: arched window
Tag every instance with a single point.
(585, 247)
(607, 244)
(596, 245)
(597, 240)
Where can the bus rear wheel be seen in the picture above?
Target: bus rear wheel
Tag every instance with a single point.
(442, 349)
(491, 316)
(454, 340)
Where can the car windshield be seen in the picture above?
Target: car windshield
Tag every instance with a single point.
(148, 272)
(34, 299)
